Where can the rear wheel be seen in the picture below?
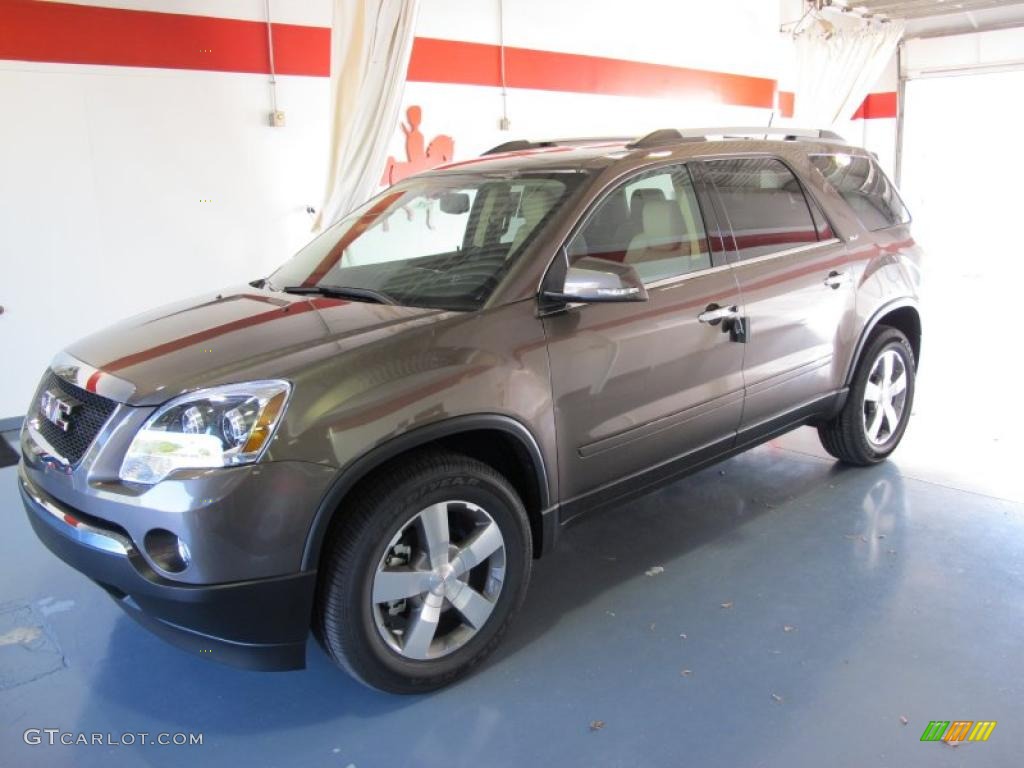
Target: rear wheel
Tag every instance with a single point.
(877, 410)
(423, 574)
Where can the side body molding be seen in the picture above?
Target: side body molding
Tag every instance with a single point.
(351, 474)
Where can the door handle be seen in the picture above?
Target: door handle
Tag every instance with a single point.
(714, 314)
(835, 279)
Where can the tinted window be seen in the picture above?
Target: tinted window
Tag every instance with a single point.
(651, 222)
(820, 222)
(764, 203)
(865, 187)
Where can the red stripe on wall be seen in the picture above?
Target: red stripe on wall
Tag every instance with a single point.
(877, 105)
(787, 103)
(452, 61)
(78, 34)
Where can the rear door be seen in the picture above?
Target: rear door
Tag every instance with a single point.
(640, 384)
(794, 281)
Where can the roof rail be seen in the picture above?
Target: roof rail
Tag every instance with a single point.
(760, 130)
(661, 137)
(674, 135)
(511, 146)
(519, 145)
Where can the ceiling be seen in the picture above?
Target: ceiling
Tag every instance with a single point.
(926, 18)
(920, 9)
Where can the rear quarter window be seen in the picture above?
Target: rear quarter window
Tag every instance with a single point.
(865, 188)
(764, 204)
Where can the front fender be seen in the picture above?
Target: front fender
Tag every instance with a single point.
(348, 477)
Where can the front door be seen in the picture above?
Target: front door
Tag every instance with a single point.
(638, 385)
(795, 284)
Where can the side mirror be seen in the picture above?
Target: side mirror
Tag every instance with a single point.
(455, 203)
(594, 280)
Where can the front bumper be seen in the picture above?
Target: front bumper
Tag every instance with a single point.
(258, 624)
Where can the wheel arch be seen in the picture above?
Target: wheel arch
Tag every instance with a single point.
(498, 440)
(902, 314)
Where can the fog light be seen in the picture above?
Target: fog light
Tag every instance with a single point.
(168, 551)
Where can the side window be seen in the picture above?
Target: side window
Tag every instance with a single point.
(652, 222)
(820, 222)
(765, 205)
(865, 188)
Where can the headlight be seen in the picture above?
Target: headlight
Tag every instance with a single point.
(218, 427)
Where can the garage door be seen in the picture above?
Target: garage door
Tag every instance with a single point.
(963, 170)
(962, 176)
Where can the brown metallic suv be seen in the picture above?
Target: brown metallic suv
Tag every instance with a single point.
(376, 440)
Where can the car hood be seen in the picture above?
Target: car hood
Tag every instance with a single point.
(242, 334)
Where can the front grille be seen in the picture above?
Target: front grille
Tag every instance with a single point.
(84, 423)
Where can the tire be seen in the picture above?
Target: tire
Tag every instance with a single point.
(853, 436)
(392, 527)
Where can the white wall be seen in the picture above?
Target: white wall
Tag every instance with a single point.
(726, 36)
(682, 33)
(313, 13)
(104, 174)
(104, 168)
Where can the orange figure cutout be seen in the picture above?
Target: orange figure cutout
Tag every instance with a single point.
(440, 150)
(413, 135)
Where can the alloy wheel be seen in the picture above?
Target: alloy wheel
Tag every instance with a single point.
(885, 397)
(438, 580)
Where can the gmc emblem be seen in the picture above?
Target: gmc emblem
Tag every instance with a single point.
(57, 409)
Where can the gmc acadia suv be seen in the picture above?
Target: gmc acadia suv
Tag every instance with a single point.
(376, 440)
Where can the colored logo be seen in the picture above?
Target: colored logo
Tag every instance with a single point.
(958, 730)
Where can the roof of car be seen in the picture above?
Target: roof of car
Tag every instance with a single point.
(600, 153)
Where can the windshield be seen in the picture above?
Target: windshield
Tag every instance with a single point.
(433, 241)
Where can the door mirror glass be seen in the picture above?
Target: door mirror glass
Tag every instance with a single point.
(591, 279)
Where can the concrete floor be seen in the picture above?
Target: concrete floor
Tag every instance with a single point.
(804, 610)
(855, 598)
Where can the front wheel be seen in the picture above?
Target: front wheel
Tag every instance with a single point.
(423, 573)
(877, 410)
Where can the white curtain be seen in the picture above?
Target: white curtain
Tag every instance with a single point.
(837, 66)
(370, 45)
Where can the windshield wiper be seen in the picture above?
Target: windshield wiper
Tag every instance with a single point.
(340, 292)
